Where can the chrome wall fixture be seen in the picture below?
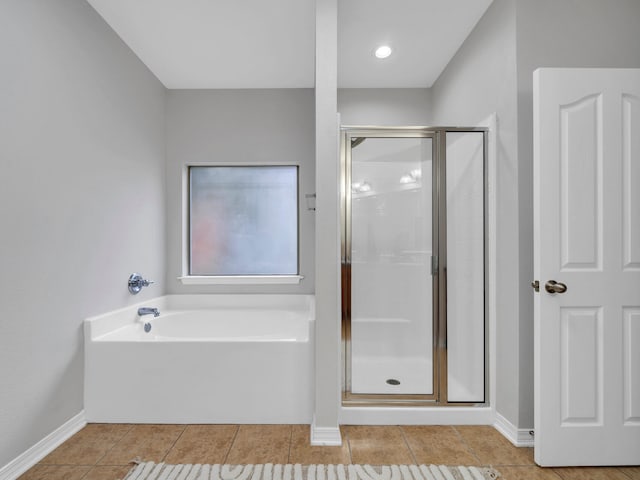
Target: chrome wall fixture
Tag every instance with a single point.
(136, 282)
(311, 201)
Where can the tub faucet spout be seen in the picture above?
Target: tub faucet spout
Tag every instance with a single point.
(148, 311)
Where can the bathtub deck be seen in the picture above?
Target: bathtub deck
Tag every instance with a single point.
(103, 451)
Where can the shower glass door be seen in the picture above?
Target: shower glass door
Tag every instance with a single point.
(413, 265)
(388, 250)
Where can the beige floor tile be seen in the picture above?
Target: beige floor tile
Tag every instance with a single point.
(530, 472)
(55, 472)
(439, 445)
(113, 446)
(632, 472)
(108, 472)
(149, 443)
(302, 452)
(103, 431)
(203, 444)
(377, 445)
(491, 448)
(87, 446)
(260, 444)
(590, 473)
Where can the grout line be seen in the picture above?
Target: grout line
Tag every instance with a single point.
(628, 475)
(554, 471)
(346, 439)
(86, 473)
(233, 441)
(229, 442)
(74, 467)
(93, 467)
(467, 446)
(184, 429)
(115, 443)
(290, 443)
(406, 442)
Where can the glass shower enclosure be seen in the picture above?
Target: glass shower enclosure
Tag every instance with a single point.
(413, 265)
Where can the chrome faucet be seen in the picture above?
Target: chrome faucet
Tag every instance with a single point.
(148, 311)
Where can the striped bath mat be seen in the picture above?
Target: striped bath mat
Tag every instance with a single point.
(163, 471)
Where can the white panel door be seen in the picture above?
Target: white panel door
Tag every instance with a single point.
(587, 238)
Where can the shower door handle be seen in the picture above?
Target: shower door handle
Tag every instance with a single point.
(555, 287)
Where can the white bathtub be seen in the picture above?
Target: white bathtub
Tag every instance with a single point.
(206, 359)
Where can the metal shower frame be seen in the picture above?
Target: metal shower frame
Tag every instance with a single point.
(348, 136)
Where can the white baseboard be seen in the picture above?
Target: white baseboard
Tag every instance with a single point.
(520, 437)
(33, 455)
(324, 436)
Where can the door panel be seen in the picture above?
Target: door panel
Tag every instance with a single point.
(391, 283)
(586, 153)
(631, 366)
(581, 366)
(631, 178)
(581, 184)
(465, 266)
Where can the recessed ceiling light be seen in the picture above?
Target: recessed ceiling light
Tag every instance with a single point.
(383, 51)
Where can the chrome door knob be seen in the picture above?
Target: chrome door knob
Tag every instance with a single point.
(555, 287)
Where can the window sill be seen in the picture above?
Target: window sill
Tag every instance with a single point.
(241, 280)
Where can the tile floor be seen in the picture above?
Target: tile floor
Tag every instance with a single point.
(104, 451)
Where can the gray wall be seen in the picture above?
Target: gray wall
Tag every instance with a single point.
(82, 192)
(493, 71)
(558, 33)
(243, 126)
(478, 81)
(81, 202)
(384, 106)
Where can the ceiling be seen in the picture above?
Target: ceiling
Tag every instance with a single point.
(260, 44)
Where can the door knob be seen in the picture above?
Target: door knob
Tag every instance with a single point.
(555, 287)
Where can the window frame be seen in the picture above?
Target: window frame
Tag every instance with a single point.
(254, 279)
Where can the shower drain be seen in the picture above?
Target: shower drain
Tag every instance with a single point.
(393, 381)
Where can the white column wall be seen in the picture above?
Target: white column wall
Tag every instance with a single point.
(324, 430)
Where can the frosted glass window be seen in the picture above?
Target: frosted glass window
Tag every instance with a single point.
(243, 220)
